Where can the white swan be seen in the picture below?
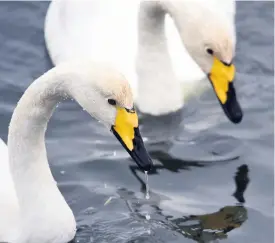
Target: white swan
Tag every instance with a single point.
(131, 34)
(32, 208)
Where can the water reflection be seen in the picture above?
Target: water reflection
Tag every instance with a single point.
(241, 181)
(200, 228)
(209, 227)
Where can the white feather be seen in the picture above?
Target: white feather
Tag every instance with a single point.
(107, 30)
(32, 209)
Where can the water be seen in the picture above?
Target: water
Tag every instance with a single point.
(193, 182)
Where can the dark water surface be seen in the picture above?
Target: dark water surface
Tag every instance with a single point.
(192, 185)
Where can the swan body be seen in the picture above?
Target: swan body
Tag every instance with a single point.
(32, 209)
(159, 45)
(9, 209)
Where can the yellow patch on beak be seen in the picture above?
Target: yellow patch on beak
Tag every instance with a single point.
(125, 123)
(220, 76)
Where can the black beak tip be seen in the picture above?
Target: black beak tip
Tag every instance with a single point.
(237, 117)
(139, 153)
(232, 107)
(147, 166)
(142, 159)
(234, 115)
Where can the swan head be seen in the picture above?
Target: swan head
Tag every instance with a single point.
(107, 96)
(210, 40)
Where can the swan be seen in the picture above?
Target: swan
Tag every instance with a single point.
(166, 66)
(32, 209)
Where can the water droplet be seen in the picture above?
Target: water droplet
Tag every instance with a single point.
(147, 216)
(108, 201)
(147, 195)
(62, 172)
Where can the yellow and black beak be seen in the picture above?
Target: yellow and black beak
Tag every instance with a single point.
(127, 132)
(221, 77)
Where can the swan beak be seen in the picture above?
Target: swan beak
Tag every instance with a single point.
(221, 77)
(127, 132)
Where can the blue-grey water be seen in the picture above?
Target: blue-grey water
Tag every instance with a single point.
(197, 152)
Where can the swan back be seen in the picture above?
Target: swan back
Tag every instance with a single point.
(95, 30)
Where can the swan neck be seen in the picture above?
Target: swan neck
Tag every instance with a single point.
(154, 67)
(29, 167)
(28, 126)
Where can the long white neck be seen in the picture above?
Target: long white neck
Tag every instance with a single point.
(41, 203)
(154, 67)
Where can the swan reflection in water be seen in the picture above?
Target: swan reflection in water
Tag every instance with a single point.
(206, 227)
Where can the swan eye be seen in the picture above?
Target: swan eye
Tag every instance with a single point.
(210, 51)
(112, 102)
